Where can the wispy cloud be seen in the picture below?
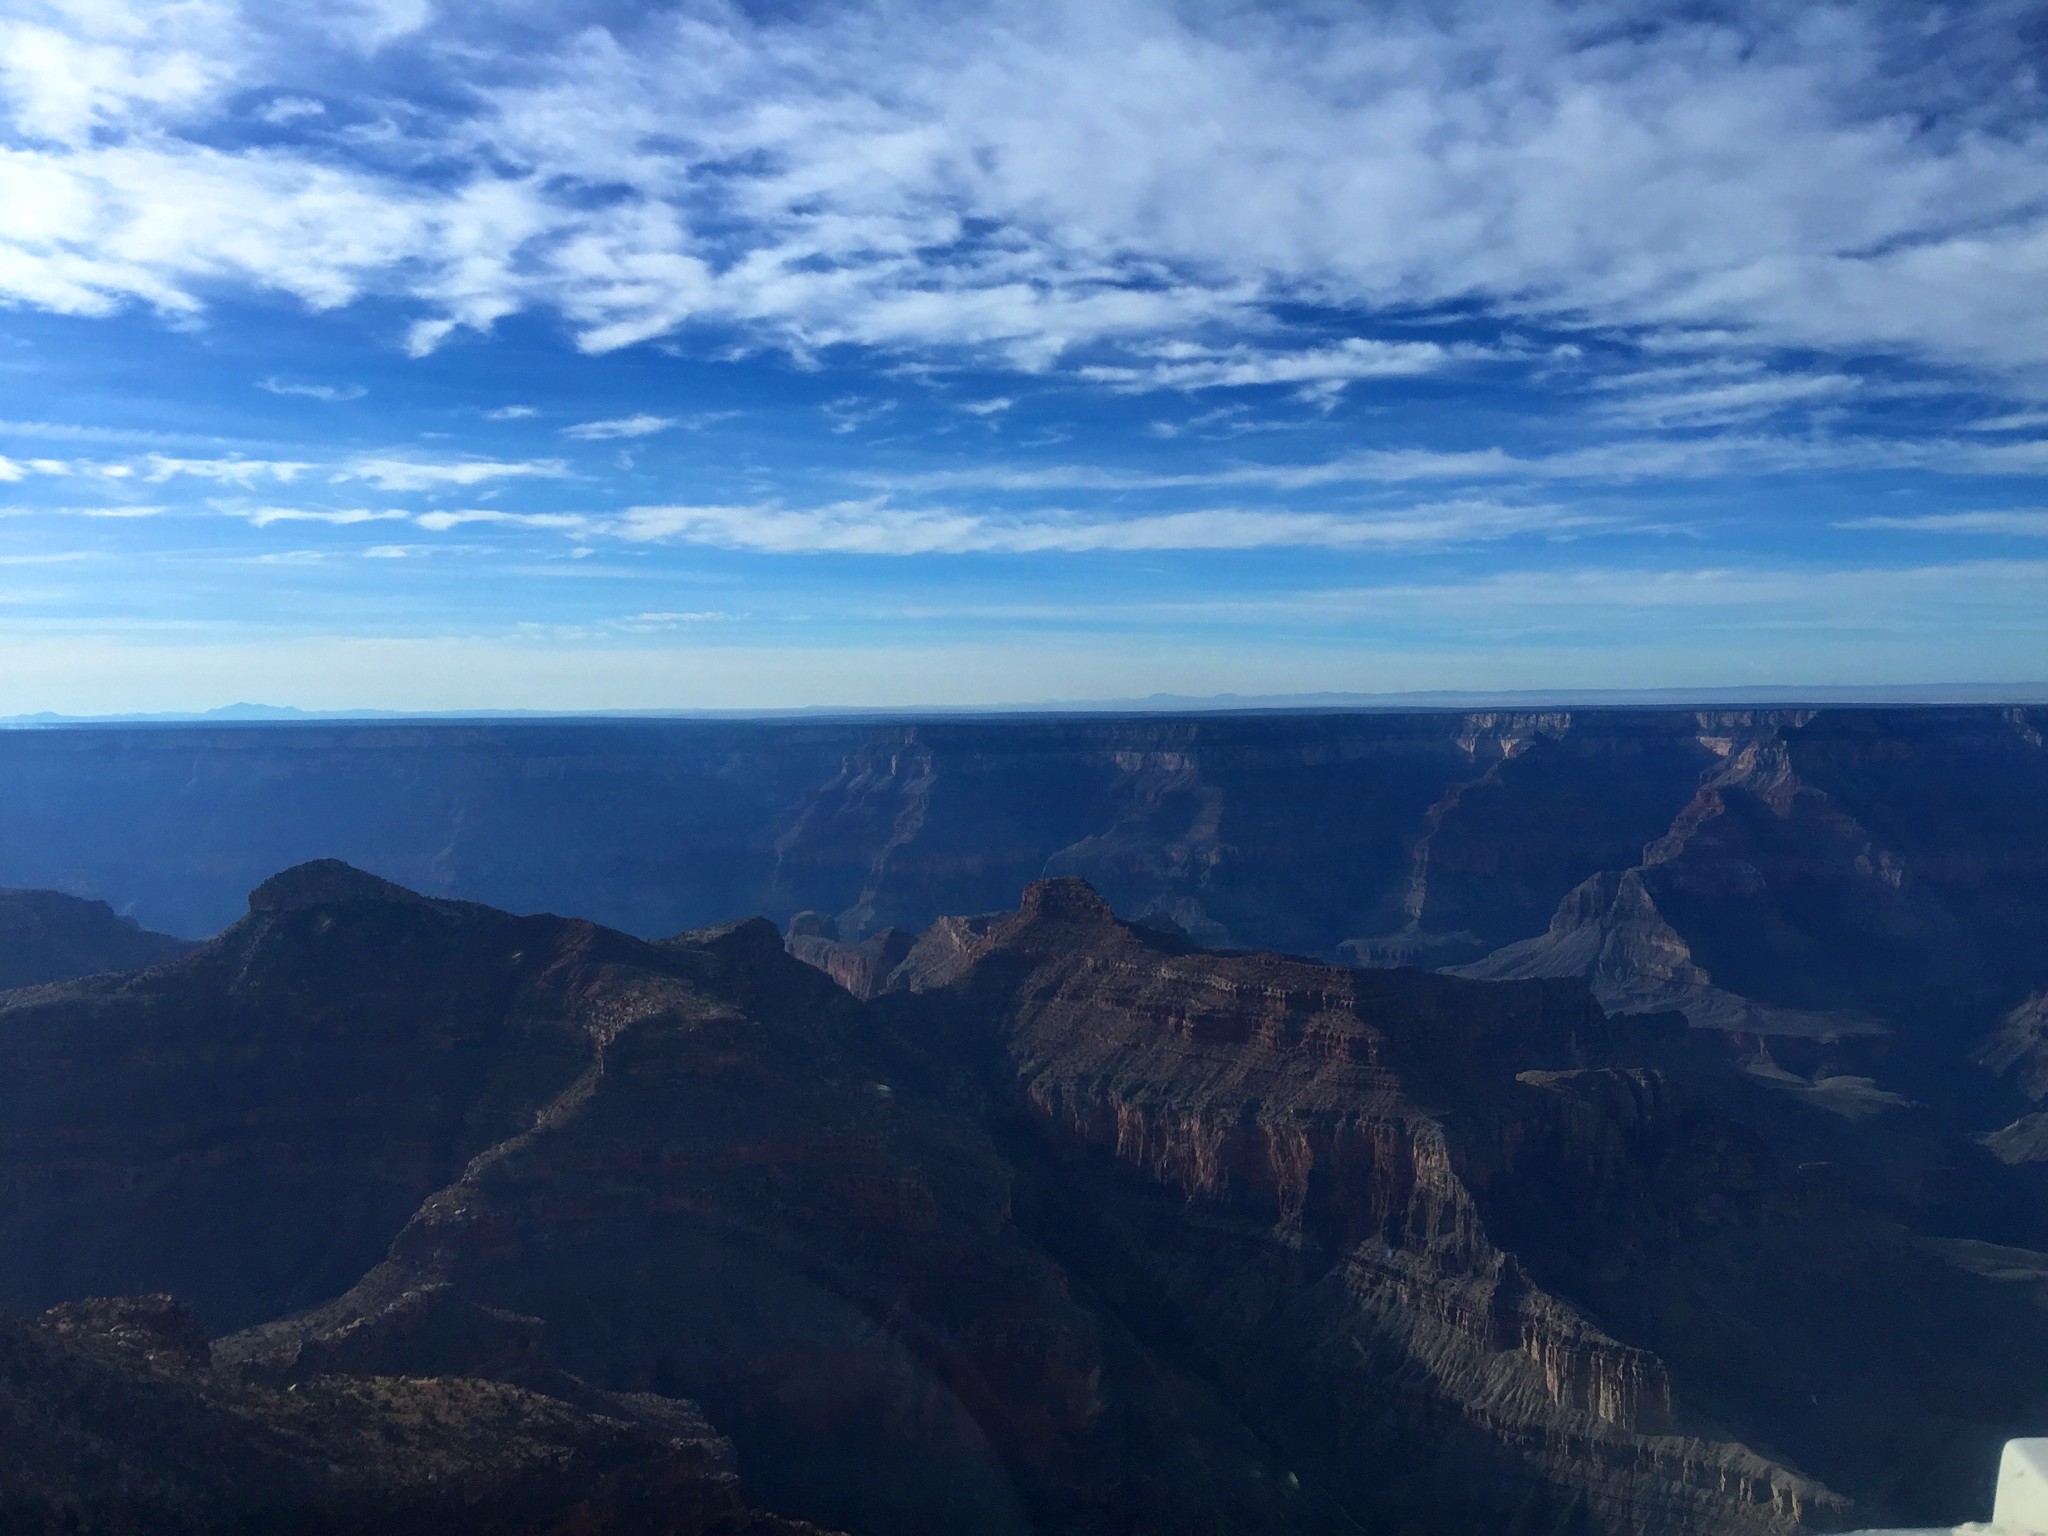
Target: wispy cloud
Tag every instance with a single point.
(642, 425)
(510, 413)
(1619, 461)
(157, 467)
(330, 394)
(283, 110)
(1714, 395)
(851, 413)
(565, 522)
(871, 528)
(2023, 523)
(656, 623)
(2013, 421)
(403, 475)
(343, 517)
(1319, 370)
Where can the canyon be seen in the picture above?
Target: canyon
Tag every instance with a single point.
(1584, 1121)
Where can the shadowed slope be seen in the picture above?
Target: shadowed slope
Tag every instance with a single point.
(47, 936)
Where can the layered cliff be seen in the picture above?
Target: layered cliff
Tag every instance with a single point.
(1434, 837)
(1395, 1209)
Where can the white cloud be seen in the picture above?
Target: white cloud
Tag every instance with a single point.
(82, 67)
(21, 469)
(1620, 461)
(402, 475)
(510, 413)
(987, 408)
(2012, 421)
(330, 393)
(1714, 395)
(654, 623)
(1025, 179)
(641, 425)
(851, 413)
(2024, 523)
(1189, 367)
(566, 522)
(343, 517)
(871, 528)
(285, 110)
(232, 471)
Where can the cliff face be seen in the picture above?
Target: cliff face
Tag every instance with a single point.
(1832, 874)
(1797, 874)
(48, 936)
(1434, 838)
(1396, 1210)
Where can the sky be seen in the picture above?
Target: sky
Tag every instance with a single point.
(558, 355)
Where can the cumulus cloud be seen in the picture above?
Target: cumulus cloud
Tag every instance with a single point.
(1042, 182)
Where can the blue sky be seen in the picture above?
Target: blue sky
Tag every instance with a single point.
(387, 354)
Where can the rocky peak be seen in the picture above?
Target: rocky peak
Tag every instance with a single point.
(325, 882)
(1065, 898)
(749, 944)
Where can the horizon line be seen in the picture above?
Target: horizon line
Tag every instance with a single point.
(1782, 696)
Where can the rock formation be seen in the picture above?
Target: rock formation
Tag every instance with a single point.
(113, 1418)
(48, 936)
(1071, 1226)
